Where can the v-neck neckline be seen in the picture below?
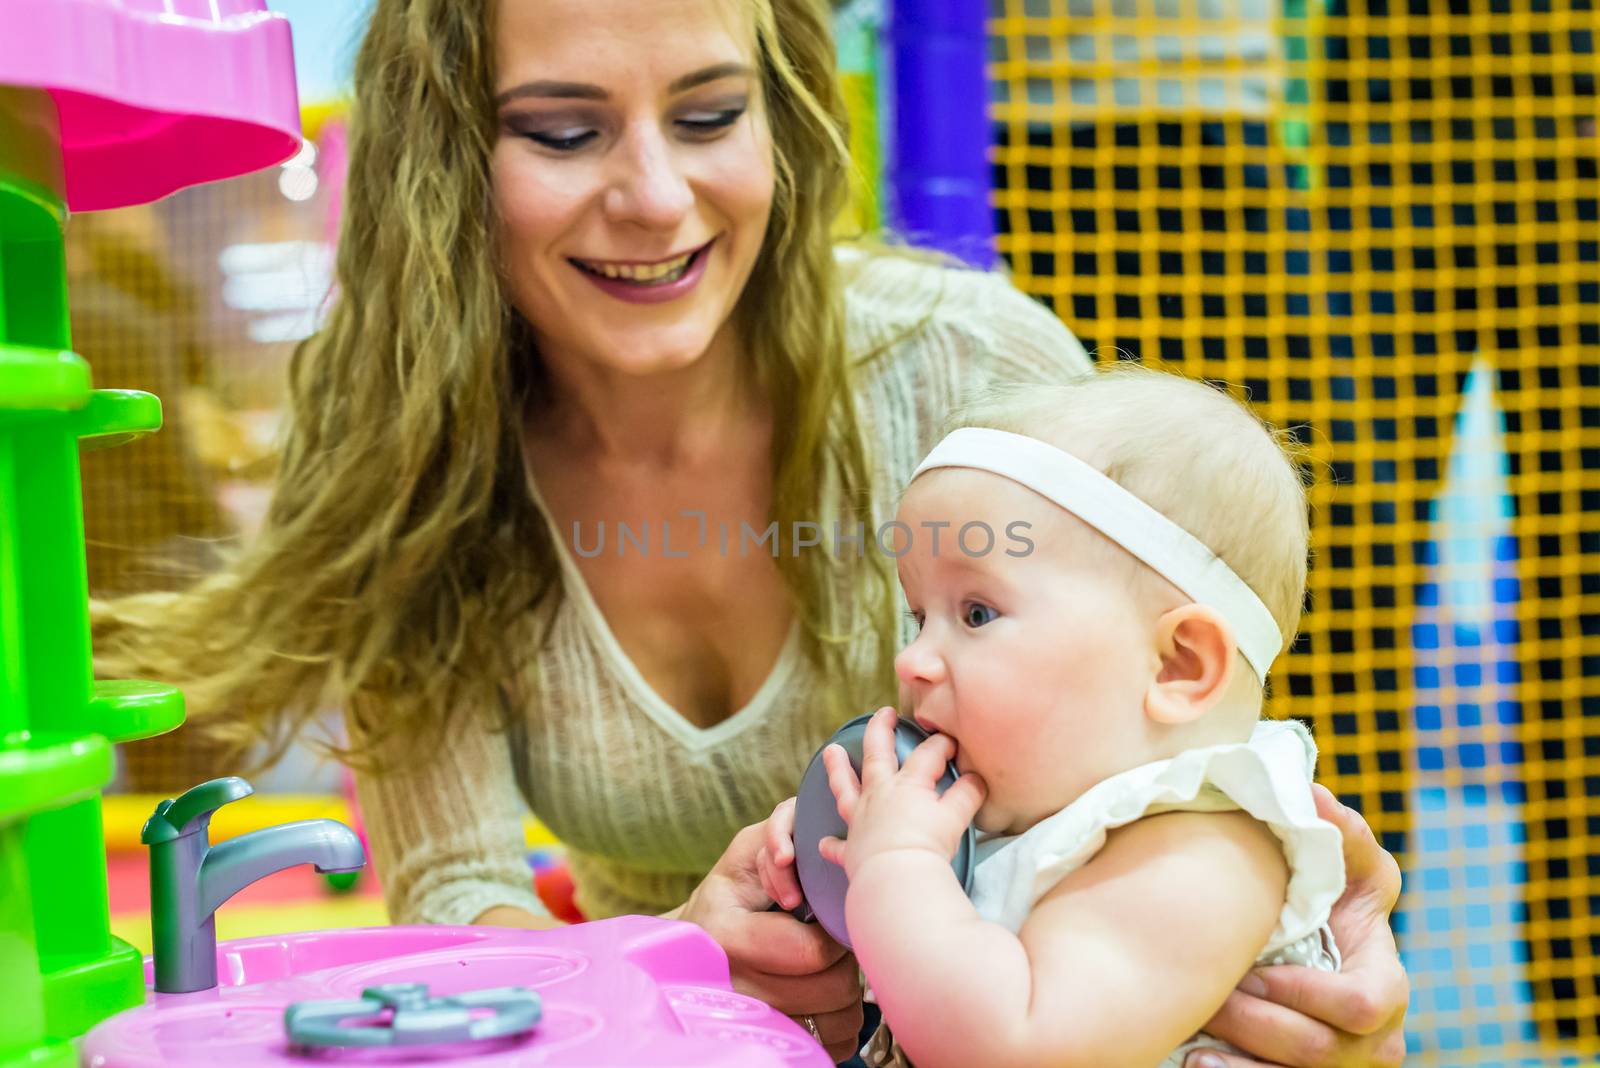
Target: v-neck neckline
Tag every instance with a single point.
(657, 707)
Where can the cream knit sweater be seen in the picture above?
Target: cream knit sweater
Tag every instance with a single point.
(644, 801)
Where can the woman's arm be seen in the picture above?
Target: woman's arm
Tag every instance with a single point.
(445, 831)
(511, 916)
(1304, 1018)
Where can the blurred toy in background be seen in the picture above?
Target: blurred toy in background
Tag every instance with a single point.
(342, 882)
(553, 881)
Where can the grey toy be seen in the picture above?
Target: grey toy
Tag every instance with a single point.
(415, 1018)
(816, 816)
(190, 878)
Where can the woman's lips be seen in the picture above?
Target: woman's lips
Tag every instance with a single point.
(648, 283)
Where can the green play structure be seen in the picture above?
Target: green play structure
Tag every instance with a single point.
(103, 104)
(62, 969)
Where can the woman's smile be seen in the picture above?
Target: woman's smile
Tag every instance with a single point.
(648, 279)
(654, 283)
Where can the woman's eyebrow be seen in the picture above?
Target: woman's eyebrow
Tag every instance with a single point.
(584, 91)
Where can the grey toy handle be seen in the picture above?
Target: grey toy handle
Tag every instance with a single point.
(416, 1019)
(192, 810)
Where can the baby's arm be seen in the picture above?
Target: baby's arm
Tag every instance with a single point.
(1120, 963)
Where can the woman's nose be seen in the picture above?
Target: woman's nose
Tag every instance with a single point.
(650, 187)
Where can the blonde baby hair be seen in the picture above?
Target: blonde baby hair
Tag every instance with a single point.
(1194, 453)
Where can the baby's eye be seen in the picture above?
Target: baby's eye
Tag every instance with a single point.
(976, 615)
(915, 618)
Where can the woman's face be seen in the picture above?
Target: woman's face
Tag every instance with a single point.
(632, 175)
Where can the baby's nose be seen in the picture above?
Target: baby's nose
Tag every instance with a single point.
(919, 664)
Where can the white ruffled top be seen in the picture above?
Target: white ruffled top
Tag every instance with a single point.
(1268, 776)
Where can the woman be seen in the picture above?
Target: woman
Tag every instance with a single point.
(587, 284)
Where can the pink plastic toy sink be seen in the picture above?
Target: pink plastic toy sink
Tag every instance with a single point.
(155, 95)
(631, 992)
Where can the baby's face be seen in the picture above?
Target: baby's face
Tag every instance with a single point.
(1036, 663)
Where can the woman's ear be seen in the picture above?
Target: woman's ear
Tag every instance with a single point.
(1198, 659)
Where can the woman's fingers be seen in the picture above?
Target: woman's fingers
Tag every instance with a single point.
(1370, 872)
(792, 966)
(841, 780)
(839, 1032)
(832, 989)
(779, 882)
(777, 944)
(832, 998)
(1361, 1000)
(732, 907)
(1216, 1058)
(1276, 1034)
(780, 828)
(1369, 995)
(1273, 1034)
(776, 860)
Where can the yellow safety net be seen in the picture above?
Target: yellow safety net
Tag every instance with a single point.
(1377, 220)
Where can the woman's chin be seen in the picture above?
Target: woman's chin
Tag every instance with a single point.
(661, 363)
(652, 351)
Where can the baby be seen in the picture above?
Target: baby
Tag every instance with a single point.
(1144, 839)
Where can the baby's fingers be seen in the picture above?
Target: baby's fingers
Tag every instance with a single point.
(842, 780)
(929, 759)
(965, 797)
(878, 758)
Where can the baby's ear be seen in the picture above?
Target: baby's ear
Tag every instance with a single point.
(1198, 659)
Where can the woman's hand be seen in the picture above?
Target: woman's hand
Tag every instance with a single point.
(1313, 1019)
(792, 966)
(776, 860)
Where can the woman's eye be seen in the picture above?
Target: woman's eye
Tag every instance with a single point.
(563, 140)
(976, 615)
(709, 122)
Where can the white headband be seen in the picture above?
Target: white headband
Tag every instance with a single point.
(1103, 504)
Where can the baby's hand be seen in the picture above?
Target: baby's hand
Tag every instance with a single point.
(775, 861)
(900, 808)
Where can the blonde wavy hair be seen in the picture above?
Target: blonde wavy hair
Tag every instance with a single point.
(402, 557)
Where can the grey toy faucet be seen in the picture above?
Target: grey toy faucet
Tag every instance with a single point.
(190, 878)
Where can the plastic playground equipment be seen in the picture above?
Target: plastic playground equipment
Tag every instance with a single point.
(107, 103)
(96, 111)
(634, 990)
